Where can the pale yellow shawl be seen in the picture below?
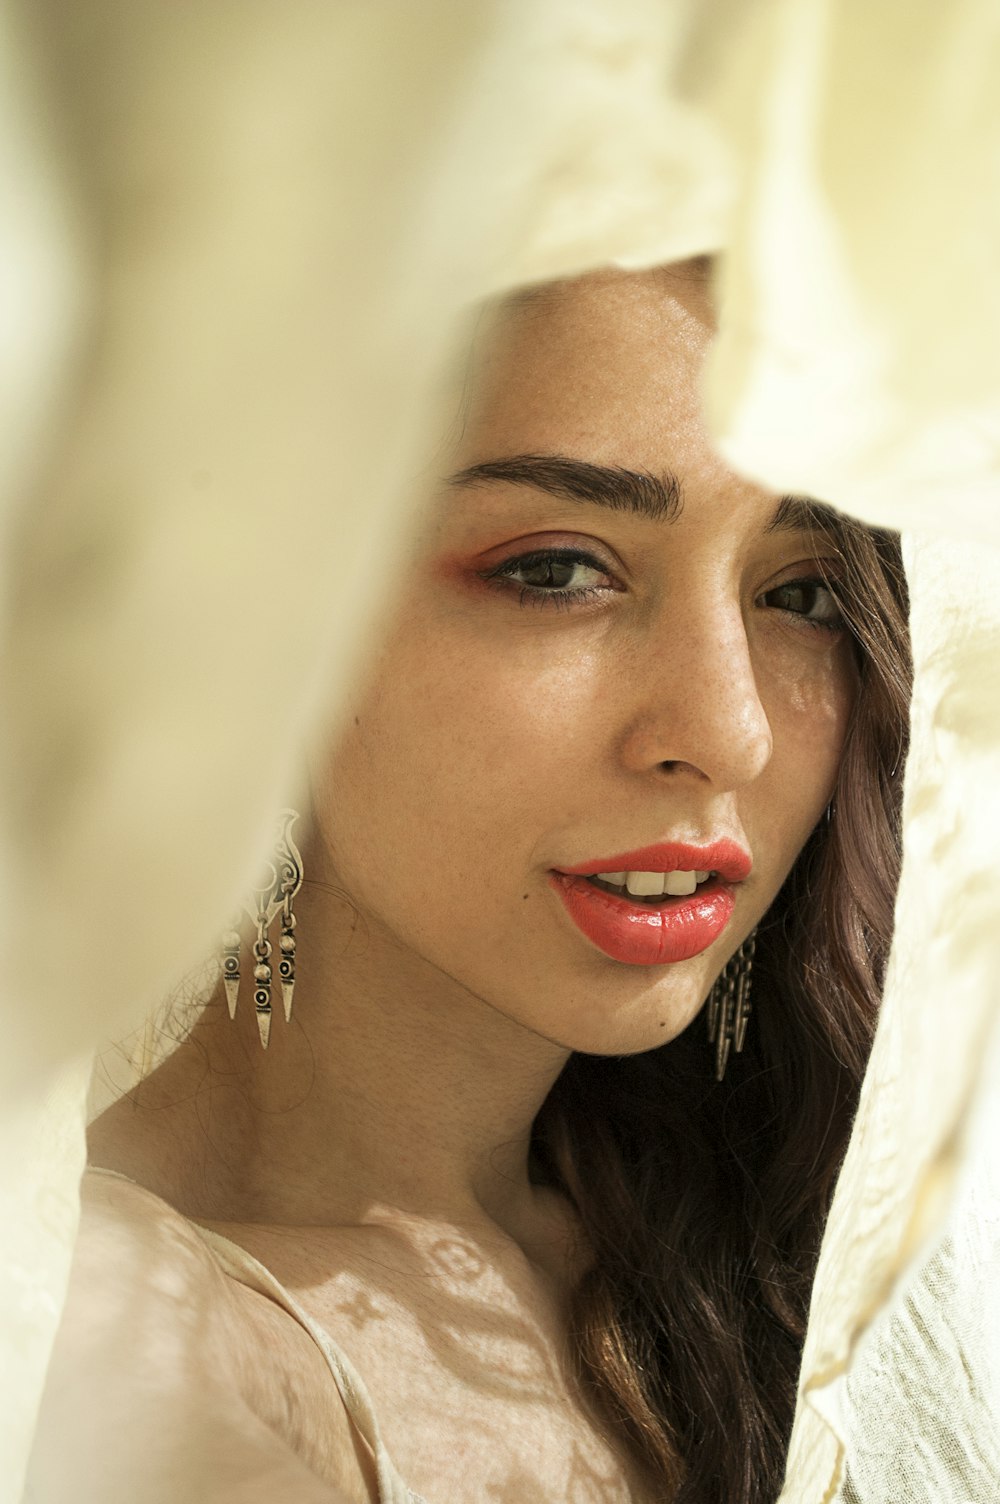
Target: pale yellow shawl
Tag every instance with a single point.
(238, 246)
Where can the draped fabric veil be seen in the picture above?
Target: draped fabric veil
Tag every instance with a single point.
(240, 250)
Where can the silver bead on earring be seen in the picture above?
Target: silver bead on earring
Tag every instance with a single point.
(729, 1004)
(282, 879)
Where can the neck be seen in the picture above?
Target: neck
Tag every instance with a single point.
(393, 1090)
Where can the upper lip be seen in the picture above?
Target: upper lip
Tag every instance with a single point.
(725, 857)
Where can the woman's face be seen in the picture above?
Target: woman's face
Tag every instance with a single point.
(657, 681)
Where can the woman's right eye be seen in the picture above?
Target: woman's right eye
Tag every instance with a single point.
(551, 576)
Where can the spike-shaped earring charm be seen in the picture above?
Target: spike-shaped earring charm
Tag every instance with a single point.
(286, 965)
(289, 869)
(742, 1014)
(714, 1005)
(231, 965)
(729, 1005)
(720, 1011)
(262, 979)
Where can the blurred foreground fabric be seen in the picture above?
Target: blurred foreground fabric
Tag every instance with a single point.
(241, 246)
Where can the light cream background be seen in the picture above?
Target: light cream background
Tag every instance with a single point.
(239, 243)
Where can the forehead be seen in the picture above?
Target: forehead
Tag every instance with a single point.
(605, 367)
(588, 390)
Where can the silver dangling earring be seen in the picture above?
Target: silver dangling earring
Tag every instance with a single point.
(729, 1004)
(282, 880)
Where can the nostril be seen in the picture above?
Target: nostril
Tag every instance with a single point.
(675, 765)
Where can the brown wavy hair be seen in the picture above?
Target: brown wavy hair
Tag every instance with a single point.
(704, 1203)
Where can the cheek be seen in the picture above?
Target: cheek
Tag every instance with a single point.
(462, 744)
(809, 705)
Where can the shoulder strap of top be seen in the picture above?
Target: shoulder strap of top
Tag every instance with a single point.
(250, 1271)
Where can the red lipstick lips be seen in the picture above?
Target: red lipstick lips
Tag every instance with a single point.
(670, 930)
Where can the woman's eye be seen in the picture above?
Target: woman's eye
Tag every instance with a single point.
(558, 576)
(812, 600)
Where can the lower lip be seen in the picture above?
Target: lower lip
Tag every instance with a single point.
(643, 934)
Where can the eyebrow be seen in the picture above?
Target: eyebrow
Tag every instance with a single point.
(658, 498)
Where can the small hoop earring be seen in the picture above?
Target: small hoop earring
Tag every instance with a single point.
(729, 1004)
(282, 881)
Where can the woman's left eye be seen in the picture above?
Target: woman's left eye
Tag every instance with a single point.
(551, 576)
(812, 601)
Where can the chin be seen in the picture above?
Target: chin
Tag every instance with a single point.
(633, 1033)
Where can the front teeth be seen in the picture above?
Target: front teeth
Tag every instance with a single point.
(655, 884)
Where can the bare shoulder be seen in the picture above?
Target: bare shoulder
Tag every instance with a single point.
(154, 1326)
(138, 1262)
(144, 1297)
(142, 1228)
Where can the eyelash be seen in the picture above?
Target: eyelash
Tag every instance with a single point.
(539, 595)
(837, 624)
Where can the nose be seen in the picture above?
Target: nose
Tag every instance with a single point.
(694, 700)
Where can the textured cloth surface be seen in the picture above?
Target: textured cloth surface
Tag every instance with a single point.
(359, 176)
